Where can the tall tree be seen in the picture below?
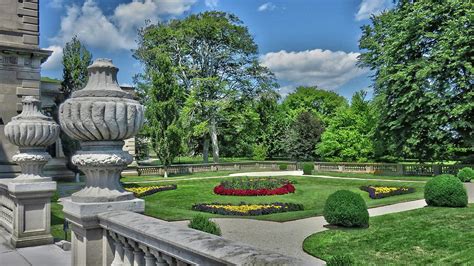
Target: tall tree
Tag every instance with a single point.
(216, 61)
(163, 98)
(305, 133)
(349, 136)
(76, 59)
(312, 99)
(421, 53)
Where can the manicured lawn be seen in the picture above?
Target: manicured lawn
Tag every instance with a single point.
(310, 191)
(357, 175)
(439, 236)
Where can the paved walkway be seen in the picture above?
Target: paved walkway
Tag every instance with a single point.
(47, 255)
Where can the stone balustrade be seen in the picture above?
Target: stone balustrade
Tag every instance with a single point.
(135, 239)
(7, 207)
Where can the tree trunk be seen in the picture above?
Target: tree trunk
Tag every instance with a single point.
(205, 150)
(166, 172)
(215, 145)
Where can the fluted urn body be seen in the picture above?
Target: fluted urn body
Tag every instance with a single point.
(101, 116)
(32, 132)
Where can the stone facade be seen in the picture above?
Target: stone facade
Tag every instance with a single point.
(20, 66)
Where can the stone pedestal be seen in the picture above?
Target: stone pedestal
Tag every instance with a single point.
(32, 215)
(89, 243)
(100, 116)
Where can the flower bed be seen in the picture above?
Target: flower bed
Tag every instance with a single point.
(254, 187)
(147, 190)
(378, 192)
(244, 209)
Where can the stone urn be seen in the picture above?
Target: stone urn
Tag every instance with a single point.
(32, 132)
(101, 116)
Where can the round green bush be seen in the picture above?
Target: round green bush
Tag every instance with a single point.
(308, 168)
(346, 208)
(466, 174)
(283, 166)
(445, 191)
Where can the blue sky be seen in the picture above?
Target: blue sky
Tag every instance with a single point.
(304, 42)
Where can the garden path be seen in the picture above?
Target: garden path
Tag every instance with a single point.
(287, 237)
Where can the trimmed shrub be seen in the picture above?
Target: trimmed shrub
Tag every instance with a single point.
(340, 260)
(346, 208)
(445, 191)
(466, 174)
(283, 166)
(308, 168)
(259, 152)
(202, 223)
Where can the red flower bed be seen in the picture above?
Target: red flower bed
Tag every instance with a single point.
(285, 189)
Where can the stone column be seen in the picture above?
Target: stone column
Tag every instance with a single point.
(100, 116)
(31, 192)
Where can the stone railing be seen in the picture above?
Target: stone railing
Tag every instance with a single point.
(7, 207)
(389, 168)
(135, 239)
(195, 168)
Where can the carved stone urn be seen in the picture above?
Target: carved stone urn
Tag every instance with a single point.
(32, 132)
(101, 116)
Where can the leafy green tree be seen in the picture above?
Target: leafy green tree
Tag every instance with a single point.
(76, 59)
(349, 136)
(163, 98)
(216, 60)
(304, 134)
(312, 99)
(421, 54)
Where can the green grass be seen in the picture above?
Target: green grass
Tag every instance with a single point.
(364, 175)
(432, 235)
(310, 191)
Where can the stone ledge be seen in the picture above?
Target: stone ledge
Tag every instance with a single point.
(189, 244)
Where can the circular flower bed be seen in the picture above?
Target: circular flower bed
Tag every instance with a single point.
(147, 190)
(245, 209)
(378, 192)
(254, 187)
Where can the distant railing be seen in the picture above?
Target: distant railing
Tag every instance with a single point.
(7, 208)
(136, 239)
(389, 168)
(195, 168)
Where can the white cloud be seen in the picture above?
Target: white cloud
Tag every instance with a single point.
(211, 3)
(324, 68)
(369, 7)
(55, 59)
(268, 6)
(117, 31)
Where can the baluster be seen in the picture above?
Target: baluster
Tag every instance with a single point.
(128, 252)
(138, 259)
(161, 259)
(149, 258)
(118, 254)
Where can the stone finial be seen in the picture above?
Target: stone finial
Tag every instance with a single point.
(101, 116)
(32, 132)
